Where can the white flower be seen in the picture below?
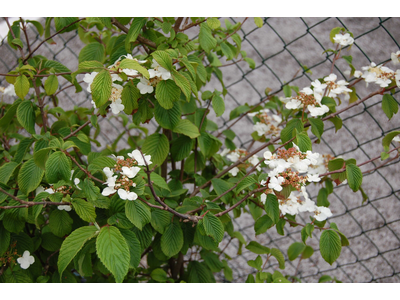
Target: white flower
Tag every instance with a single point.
(233, 156)
(108, 172)
(268, 155)
(64, 207)
(318, 111)
(137, 155)
(263, 198)
(120, 157)
(313, 178)
(117, 106)
(130, 72)
(111, 181)
(275, 183)
(358, 74)
(145, 86)
(313, 157)
(76, 181)
(300, 165)
(10, 90)
(331, 78)
(88, 78)
(322, 213)
(293, 104)
(159, 71)
(26, 260)
(234, 171)
(39, 190)
(261, 128)
(130, 172)
(108, 191)
(396, 138)
(395, 57)
(50, 191)
(343, 39)
(318, 85)
(124, 195)
(254, 161)
(225, 152)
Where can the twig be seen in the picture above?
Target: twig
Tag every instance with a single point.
(82, 169)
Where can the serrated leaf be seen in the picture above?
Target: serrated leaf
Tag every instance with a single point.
(213, 23)
(317, 127)
(101, 88)
(167, 118)
(295, 250)
(389, 105)
(220, 186)
(58, 167)
(167, 92)
(279, 256)
(29, 176)
(134, 247)
(330, 246)
(183, 84)
(218, 105)
(163, 59)
(199, 273)
(72, 244)
(207, 41)
(138, 213)
(134, 65)
(60, 223)
(159, 275)
(187, 128)
(51, 85)
(354, 177)
(263, 224)
(303, 141)
(113, 252)
(7, 170)
(92, 52)
(129, 96)
(156, 145)
(172, 239)
(213, 227)
(26, 115)
(272, 208)
(133, 33)
(85, 210)
(256, 248)
(258, 21)
(21, 86)
(160, 219)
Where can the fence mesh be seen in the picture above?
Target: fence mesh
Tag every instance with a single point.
(291, 50)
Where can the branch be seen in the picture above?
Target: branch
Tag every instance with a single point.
(82, 168)
(78, 129)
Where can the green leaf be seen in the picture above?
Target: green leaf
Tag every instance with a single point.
(389, 105)
(213, 23)
(388, 138)
(60, 23)
(256, 248)
(93, 51)
(134, 247)
(354, 177)
(303, 141)
(172, 239)
(134, 65)
(289, 131)
(26, 115)
(160, 219)
(336, 164)
(167, 92)
(330, 246)
(221, 186)
(279, 256)
(113, 252)
(21, 86)
(334, 32)
(183, 84)
(7, 170)
(85, 210)
(156, 145)
(51, 84)
(186, 127)
(4, 239)
(101, 88)
(199, 273)
(58, 167)
(181, 147)
(60, 223)
(29, 176)
(218, 104)
(159, 275)
(263, 224)
(317, 127)
(251, 62)
(257, 263)
(272, 208)
(163, 59)
(295, 250)
(213, 227)
(167, 118)
(129, 96)
(307, 252)
(206, 40)
(72, 244)
(133, 33)
(258, 21)
(209, 144)
(138, 213)
(159, 181)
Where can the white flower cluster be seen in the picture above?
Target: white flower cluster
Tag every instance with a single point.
(145, 86)
(235, 155)
(119, 178)
(10, 90)
(311, 98)
(343, 39)
(286, 166)
(268, 125)
(380, 75)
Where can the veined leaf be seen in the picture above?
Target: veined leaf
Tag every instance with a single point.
(156, 145)
(58, 166)
(101, 88)
(330, 246)
(29, 177)
(172, 239)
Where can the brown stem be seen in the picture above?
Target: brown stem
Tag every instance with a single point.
(12, 33)
(78, 129)
(28, 203)
(82, 169)
(26, 35)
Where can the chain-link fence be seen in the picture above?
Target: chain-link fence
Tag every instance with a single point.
(292, 50)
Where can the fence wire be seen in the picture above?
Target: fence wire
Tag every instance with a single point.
(292, 50)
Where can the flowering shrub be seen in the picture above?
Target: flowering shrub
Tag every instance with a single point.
(158, 210)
